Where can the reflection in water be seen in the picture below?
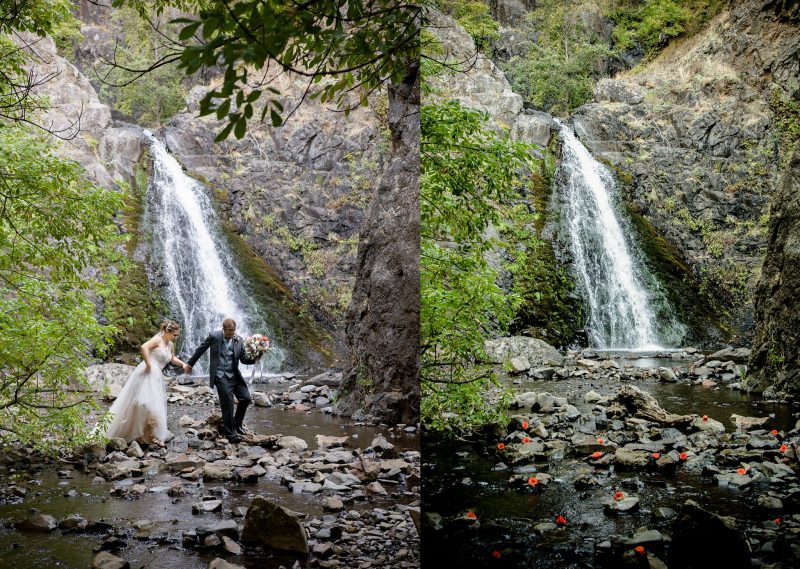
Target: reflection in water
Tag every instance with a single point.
(464, 476)
(170, 516)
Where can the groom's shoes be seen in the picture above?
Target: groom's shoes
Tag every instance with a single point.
(234, 439)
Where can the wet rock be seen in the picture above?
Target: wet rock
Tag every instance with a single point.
(116, 444)
(376, 488)
(666, 375)
(630, 459)
(206, 506)
(38, 523)
(135, 450)
(295, 444)
(212, 541)
(535, 351)
(747, 423)
(626, 504)
(331, 504)
(701, 539)
(220, 563)
(592, 396)
(323, 550)
(769, 503)
(261, 399)
(227, 528)
(105, 560)
(274, 528)
(217, 472)
(231, 546)
(708, 425)
(73, 522)
(382, 447)
(544, 528)
(325, 441)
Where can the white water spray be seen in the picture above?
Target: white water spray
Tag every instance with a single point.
(203, 284)
(620, 312)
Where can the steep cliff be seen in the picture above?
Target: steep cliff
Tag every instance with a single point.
(382, 381)
(292, 198)
(775, 360)
(694, 141)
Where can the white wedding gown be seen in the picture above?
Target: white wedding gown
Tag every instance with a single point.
(140, 411)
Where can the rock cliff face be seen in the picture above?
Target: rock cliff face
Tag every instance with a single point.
(693, 140)
(293, 198)
(382, 381)
(295, 195)
(775, 361)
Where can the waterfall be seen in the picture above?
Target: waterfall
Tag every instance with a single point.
(203, 285)
(606, 264)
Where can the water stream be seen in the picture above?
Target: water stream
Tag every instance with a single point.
(605, 261)
(203, 285)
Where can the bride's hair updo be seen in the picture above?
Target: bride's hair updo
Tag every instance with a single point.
(169, 326)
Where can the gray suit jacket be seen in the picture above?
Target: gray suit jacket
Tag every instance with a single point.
(215, 341)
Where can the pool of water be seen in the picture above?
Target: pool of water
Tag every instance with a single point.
(461, 476)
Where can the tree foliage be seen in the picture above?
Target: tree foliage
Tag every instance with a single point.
(153, 97)
(54, 225)
(560, 67)
(475, 17)
(470, 176)
(345, 49)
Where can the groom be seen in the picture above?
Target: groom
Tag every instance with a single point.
(227, 350)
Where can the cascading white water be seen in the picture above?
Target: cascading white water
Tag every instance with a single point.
(203, 285)
(620, 312)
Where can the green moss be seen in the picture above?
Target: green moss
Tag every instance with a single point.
(694, 302)
(129, 302)
(550, 309)
(294, 329)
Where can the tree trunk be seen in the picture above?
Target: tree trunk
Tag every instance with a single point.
(382, 323)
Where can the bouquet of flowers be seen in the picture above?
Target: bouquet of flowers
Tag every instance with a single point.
(256, 345)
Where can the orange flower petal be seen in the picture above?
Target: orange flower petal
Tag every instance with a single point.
(600, 441)
(597, 454)
(501, 446)
(777, 521)
(618, 496)
(783, 448)
(656, 455)
(774, 433)
(639, 549)
(741, 471)
(472, 516)
(496, 554)
(561, 521)
(705, 417)
(683, 456)
(533, 481)
(524, 424)
(526, 440)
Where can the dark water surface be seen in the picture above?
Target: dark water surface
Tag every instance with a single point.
(461, 476)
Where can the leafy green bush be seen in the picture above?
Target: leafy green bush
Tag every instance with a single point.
(468, 175)
(153, 97)
(54, 226)
(474, 16)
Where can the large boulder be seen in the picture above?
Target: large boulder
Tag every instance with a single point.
(536, 352)
(274, 527)
(109, 378)
(701, 539)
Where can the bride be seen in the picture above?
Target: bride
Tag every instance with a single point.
(140, 411)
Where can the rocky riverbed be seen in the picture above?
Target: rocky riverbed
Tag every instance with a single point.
(306, 489)
(613, 460)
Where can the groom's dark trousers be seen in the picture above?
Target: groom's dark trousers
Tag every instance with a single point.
(229, 383)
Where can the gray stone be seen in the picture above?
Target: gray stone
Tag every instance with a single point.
(38, 523)
(105, 560)
(536, 352)
(274, 528)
